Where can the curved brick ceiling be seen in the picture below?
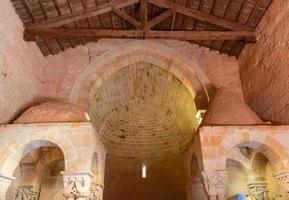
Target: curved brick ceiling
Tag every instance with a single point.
(143, 111)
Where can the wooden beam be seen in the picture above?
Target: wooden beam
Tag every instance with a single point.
(31, 34)
(200, 15)
(159, 19)
(248, 36)
(126, 17)
(89, 12)
(173, 21)
(144, 12)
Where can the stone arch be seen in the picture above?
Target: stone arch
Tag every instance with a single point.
(237, 163)
(15, 145)
(259, 162)
(274, 151)
(237, 173)
(184, 68)
(237, 157)
(13, 155)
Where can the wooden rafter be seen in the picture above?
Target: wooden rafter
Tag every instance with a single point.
(31, 34)
(126, 17)
(83, 14)
(79, 25)
(159, 18)
(200, 15)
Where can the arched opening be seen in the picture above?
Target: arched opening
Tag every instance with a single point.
(143, 101)
(261, 181)
(36, 166)
(251, 173)
(37, 175)
(184, 68)
(237, 173)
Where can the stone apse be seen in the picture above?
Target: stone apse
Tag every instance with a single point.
(144, 100)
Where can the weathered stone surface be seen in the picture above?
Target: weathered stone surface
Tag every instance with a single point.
(227, 109)
(52, 112)
(264, 66)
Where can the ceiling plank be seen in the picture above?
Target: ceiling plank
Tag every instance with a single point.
(200, 15)
(32, 34)
(126, 17)
(159, 18)
(83, 14)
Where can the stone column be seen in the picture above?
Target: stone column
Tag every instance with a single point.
(283, 180)
(196, 190)
(77, 184)
(26, 193)
(5, 182)
(215, 183)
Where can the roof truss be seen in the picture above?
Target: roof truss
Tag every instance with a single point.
(48, 28)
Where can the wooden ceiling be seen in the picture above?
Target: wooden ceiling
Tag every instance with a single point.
(222, 25)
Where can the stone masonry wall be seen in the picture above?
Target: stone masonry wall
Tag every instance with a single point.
(20, 65)
(165, 179)
(264, 66)
(64, 68)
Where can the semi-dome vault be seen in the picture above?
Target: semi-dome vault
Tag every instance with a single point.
(143, 110)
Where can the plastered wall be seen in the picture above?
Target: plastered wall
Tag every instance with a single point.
(21, 64)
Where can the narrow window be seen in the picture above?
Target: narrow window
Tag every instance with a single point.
(144, 171)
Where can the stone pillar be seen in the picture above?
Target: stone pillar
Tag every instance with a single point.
(258, 190)
(283, 180)
(26, 193)
(215, 183)
(77, 184)
(5, 182)
(196, 190)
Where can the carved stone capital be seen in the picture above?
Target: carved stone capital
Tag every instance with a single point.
(26, 193)
(96, 192)
(5, 182)
(76, 184)
(258, 190)
(283, 180)
(215, 182)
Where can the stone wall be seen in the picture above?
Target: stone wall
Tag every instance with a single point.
(165, 179)
(63, 69)
(77, 141)
(20, 65)
(264, 66)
